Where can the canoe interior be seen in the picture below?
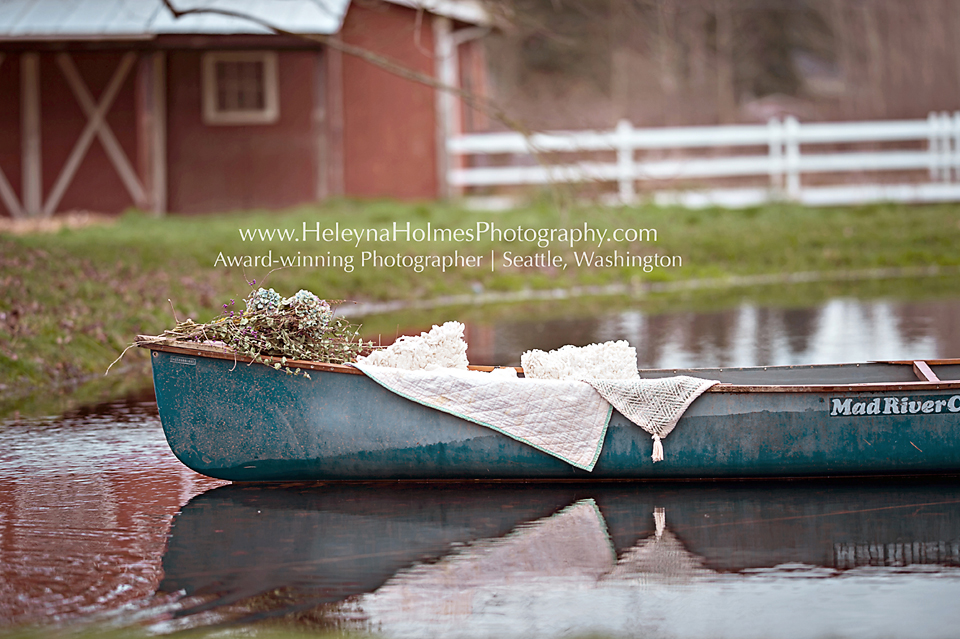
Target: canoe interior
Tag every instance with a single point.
(733, 379)
(818, 374)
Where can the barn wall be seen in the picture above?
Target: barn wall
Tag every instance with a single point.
(389, 134)
(384, 145)
(473, 79)
(223, 168)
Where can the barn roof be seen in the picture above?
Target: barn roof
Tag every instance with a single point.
(145, 19)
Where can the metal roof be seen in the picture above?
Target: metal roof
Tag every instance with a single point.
(52, 18)
(144, 19)
(470, 11)
(302, 16)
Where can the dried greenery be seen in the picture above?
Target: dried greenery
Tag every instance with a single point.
(300, 327)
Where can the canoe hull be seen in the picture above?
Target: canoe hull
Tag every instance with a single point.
(243, 422)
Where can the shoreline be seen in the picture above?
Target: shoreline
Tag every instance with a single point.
(75, 296)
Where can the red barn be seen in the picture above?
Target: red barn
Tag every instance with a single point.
(109, 104)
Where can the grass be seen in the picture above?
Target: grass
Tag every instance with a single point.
(71, 301)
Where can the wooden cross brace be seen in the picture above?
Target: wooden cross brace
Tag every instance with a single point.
(97, 125)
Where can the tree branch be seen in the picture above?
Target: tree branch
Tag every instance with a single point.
(469, 98)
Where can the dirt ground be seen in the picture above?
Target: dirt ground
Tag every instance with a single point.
(72, 220)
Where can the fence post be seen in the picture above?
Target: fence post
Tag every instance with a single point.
(946, 152)
(791, 130)
(946, 147)
(933, 145)
(775, 145)
(624, 145)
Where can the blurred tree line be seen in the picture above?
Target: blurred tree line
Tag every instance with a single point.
(587, 63)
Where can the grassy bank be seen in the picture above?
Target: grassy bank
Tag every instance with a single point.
(70, 301)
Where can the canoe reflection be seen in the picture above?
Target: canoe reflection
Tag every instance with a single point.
(430, 545)
(322, 544)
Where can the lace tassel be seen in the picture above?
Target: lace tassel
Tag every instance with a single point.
(657, 449)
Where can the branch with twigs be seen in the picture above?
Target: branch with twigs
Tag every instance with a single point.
(469, 98)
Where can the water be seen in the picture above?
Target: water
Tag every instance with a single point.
(835, 331)
(86, 502)
(689, 560)
(100, 523)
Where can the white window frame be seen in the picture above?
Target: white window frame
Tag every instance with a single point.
(270, 112)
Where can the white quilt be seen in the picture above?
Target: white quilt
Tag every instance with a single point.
(566, 419)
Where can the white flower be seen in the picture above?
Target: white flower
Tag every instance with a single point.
(610, 360)
(442, 347)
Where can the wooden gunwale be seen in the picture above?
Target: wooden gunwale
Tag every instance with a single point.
(203, 350)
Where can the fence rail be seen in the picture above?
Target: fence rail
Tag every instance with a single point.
(790, 153)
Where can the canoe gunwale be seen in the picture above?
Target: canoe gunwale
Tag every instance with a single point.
(214, 352)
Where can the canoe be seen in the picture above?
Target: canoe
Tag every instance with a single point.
(233, 420)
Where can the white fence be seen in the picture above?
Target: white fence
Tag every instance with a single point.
(912, 161)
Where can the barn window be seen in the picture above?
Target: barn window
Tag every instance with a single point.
(240, 87)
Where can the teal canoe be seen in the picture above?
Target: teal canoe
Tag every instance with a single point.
(233, 420)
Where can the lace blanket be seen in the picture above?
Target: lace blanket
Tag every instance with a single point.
(655, 405)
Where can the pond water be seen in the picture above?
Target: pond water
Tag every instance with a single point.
(837, 330)
(100, 523)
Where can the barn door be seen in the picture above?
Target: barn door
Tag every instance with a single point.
(66, 133)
